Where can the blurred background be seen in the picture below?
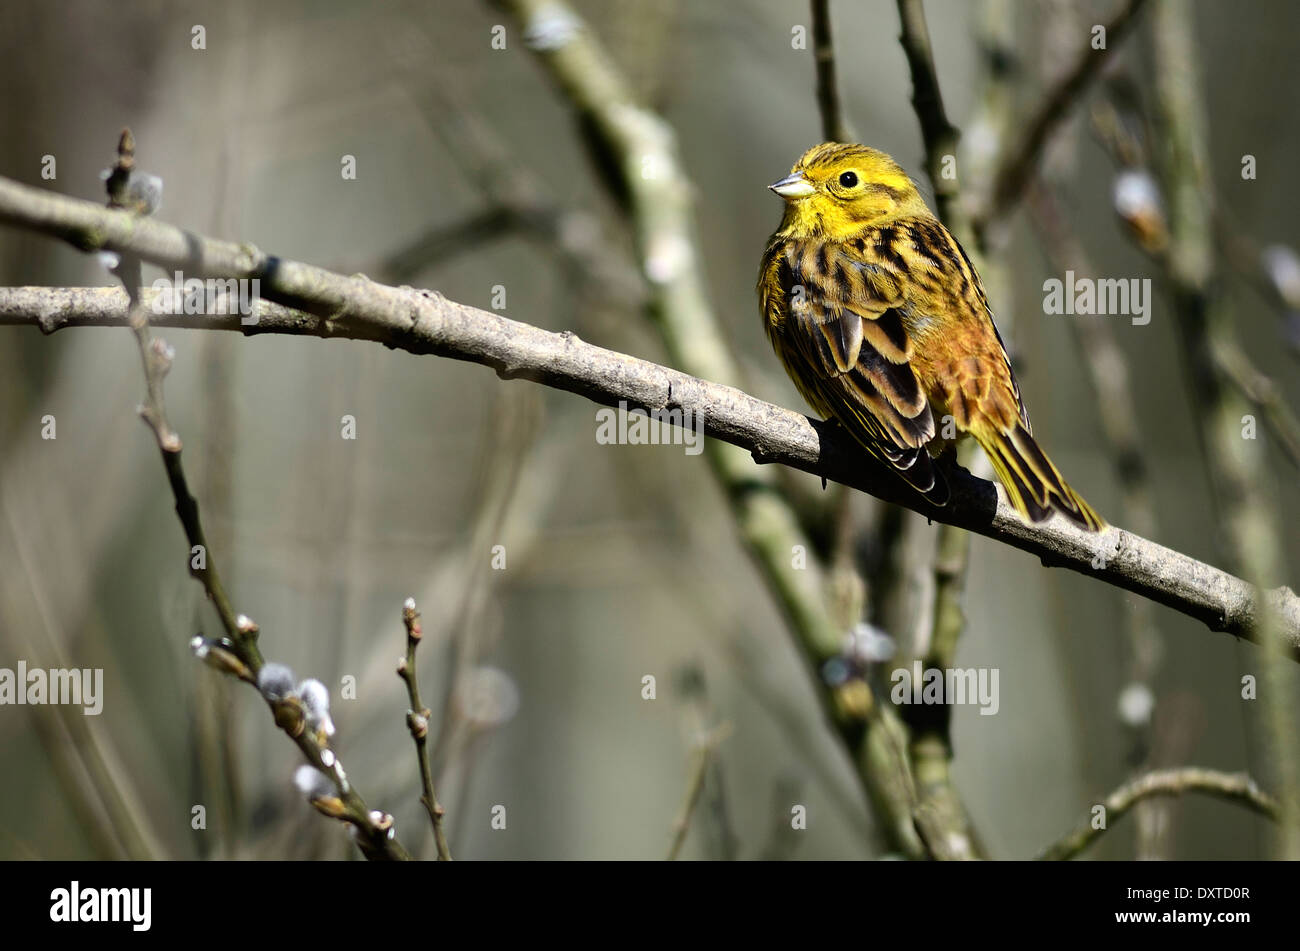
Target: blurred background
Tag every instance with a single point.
(621, 562)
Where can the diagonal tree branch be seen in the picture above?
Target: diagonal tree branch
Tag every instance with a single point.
(315, 302)
(239, 654)
(1015, 170)
(1262, 392)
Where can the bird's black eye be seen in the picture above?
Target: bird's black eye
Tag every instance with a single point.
(849, 179)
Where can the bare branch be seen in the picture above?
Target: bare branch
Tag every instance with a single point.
(703, 750)
(1262, 391)
(834, 127)
(941, 817)
(1016, 167)
(638, 152)
(939, 134)
(424, 322)
(1112, 389)
(238, 654)
(417, 721)
(1234, 787)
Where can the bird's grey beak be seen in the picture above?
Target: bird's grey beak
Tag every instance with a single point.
(793, 187)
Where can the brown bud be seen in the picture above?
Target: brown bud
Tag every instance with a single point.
(331, 806)
(289, 716)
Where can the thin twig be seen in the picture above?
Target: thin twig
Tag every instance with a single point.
(941, 817)
(444, 242)
(705, 749)
(417, 721)
(939, 135)
(514, 424)
(931, 741)
(720, 842)
(834, 127)
(156, 358)
(1241, 253)
(374, 830)
(1234, 787)
(1265, 394)
(1219, 373)
(1015, 170)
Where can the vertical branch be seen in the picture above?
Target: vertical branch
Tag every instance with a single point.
(417, 721)
(239, 655)
(941, 817)
(642, 149)
(1236, 466)
(945, 825)
(834, 127)
(156, 357)
(939, 135)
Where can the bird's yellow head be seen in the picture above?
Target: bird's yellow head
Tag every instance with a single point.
(834, 190)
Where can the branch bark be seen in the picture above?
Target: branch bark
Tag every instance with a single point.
(424, 322)
(417, 721)
(942, 818)
(1234, 787)
(834, 127)
(939, 134)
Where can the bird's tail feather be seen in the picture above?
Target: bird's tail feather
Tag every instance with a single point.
(1034, 485)
(924, 476)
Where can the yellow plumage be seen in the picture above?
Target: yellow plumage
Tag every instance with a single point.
(882, 323)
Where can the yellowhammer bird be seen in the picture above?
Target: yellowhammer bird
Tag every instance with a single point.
(882, 323)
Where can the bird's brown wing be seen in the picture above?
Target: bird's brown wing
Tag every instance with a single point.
(951, 284)
(843, 340)
(969, 376)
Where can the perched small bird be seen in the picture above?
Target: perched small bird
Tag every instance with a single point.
(882, 323)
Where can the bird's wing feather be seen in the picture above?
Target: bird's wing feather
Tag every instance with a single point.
(961, 286)
(847, 348)
(845, 321)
